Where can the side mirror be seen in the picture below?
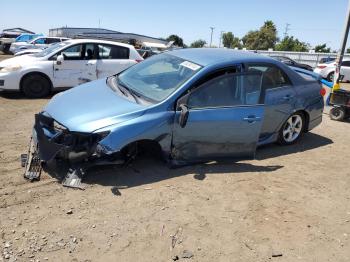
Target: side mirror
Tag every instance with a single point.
(59, 59)
(184, 112)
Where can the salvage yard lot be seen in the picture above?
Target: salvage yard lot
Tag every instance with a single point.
(291, 201)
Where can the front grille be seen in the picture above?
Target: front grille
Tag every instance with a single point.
(2, 82)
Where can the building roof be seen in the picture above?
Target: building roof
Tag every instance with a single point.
(17, 30)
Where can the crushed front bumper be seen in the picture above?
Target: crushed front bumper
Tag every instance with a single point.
(44, 135)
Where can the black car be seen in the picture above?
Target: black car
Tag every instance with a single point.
(291, 62)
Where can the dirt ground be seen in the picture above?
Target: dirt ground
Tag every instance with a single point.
(290, 204)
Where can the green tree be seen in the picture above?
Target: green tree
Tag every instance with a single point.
(322, 49)
(289, 43)
(262, 39)
(177, 40)
(198, 43)
(230, 41)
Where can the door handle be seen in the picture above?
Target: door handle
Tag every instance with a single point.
(252, 119)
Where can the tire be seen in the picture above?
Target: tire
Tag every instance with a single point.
(36, 86)
(337, 113)
(292, 130)
(330, 77)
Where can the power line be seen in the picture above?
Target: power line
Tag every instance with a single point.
(211, 35)
(286, 29)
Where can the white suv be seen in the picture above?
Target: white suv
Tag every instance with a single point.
(65, 65)
(326, 70)
(37, 43)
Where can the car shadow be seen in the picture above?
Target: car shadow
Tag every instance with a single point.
(308, 142)
(18, 95)
(148, 170)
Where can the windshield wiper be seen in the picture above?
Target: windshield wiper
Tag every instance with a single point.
(129, 90)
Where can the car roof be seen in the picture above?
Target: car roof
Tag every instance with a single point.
(82, 41)
(210, 56)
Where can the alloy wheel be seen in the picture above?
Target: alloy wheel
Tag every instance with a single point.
(292, 128)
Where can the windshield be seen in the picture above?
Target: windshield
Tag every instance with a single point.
(159, 76)
(52, 48)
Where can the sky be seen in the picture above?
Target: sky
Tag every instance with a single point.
(311, 21)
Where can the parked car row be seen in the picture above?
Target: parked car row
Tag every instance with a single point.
(65, 64)
(37, 43)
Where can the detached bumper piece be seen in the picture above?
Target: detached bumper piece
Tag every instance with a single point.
(73, 178)
(32, 162)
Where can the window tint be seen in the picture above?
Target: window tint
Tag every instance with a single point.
(89, 52)
(113, 52)
(74, 52)
(272, 76)
(227, 90)
(52, 40)
(345, 63)
(40, 41)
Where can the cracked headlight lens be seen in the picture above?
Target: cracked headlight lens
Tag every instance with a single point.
(58, 127)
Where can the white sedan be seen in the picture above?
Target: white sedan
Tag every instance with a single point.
(326, 70)
(65, 65)
(41, 42)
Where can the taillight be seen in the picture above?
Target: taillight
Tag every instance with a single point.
(138, 60)
(321, 67)
(323, 91)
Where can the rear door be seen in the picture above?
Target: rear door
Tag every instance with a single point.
(112, 59)
(79, 66)
(279, 96)
(224, 120)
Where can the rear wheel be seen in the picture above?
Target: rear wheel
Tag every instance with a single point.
(330, 77)
(292, 129)
(337, 113)
(36, 86)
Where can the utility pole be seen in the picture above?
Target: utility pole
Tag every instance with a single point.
(286, 29)
(99, 23)
(211, 35)
(341, 52)
(221, 34)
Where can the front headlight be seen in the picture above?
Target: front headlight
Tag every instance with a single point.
(10, 68)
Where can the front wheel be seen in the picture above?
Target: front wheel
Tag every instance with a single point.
(337, 113)
(292, 129)
(330, 77)
(36, 86)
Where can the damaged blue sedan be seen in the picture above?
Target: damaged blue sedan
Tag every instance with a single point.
(188, 105)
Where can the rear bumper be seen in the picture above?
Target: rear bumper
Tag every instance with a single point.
(315, 112)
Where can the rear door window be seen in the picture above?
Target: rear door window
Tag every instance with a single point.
(113, 52)
(52, 40)
(272, 76)
(345, 63)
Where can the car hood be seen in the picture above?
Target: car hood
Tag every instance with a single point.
(20, 60)
(92, 106)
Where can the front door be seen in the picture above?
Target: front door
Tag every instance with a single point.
(224, 119)
(78, 67)
(279, 97)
